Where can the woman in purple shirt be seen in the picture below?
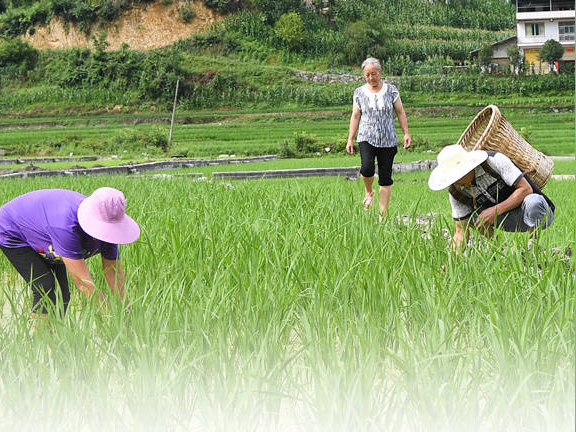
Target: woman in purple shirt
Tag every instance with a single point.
(46, 232)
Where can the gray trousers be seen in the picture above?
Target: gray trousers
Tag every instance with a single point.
(532, 213)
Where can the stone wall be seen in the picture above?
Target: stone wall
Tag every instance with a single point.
(46, 160)
(328, 78)
(350, 172)
(139, 168)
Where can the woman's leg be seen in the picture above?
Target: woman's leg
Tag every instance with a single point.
(59, 270)
(384, 196)
(385, 158)
(367, 170)
(36, 272)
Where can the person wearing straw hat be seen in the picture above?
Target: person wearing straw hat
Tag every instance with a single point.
(372, 117)
(46, 232)
(487, 190)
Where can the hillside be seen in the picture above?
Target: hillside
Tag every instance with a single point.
(247, 56)
(142, 27)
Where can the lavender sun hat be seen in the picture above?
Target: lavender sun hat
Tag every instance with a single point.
(103, 216)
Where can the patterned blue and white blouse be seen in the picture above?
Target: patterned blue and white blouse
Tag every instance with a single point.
(377, 121)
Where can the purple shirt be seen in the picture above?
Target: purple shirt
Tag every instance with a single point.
(47, 221)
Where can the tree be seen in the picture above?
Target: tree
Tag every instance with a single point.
(19, 55)
(516, 59)
(366, 38)
(274, 9)
(551, 52)
(485, 56)
(290, 30)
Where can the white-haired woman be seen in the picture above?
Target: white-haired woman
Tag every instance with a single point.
(372, 118)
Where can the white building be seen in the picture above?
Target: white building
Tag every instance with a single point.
(540, 20)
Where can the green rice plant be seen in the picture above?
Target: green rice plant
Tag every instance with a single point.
(280, 303)
(211, 134)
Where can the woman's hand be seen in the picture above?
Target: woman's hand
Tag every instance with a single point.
(486, 218)
(407, 141)
(350, 147)
(114, 276)
(80, 275)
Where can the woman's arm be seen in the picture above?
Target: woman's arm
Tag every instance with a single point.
(403, 120)
(354, 122)
(80, 275)
(488, 216)
(114, 275)
(461, 233)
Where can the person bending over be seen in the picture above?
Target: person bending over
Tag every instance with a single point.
(45, 233)
(486, 191)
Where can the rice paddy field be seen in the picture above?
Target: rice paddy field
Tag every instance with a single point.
(280, 305)
(212, 133)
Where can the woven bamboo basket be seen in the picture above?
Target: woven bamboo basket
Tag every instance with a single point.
(491, 131)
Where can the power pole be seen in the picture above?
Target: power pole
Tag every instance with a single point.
(173, 113)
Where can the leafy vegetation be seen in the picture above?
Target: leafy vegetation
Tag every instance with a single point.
(551, 51)
(22, 16)
(249, 300)
(248, 58)
(287, 134)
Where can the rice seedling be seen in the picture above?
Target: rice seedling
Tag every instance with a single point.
(253, 134)
(281, 305)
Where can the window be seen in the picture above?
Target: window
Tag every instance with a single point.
(566, 30)
(534, 29)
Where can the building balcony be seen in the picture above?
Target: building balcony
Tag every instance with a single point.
(531, 6)
(544, 16)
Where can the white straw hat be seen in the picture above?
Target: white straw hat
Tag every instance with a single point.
(454, 162)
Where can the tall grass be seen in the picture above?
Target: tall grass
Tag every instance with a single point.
(281, 305)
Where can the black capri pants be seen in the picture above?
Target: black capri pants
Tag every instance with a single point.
(385, 156)
(41, 275)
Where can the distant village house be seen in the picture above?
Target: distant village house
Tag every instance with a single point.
(536, 22)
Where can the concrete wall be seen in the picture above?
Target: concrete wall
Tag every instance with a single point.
(139, 168)
(351, 172)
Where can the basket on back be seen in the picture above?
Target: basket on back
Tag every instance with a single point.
(491, 131)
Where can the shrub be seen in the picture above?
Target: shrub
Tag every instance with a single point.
(516, 58)
(159, 71)
(287, 151)
(186, 13)
(17, 55)
(552, 51)
(365, 38)
(290, 30)
(274, 9)
(108, 10)
(485, 55)
(567, 68)
(134, 141)
(304, 145)
(223, 6)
